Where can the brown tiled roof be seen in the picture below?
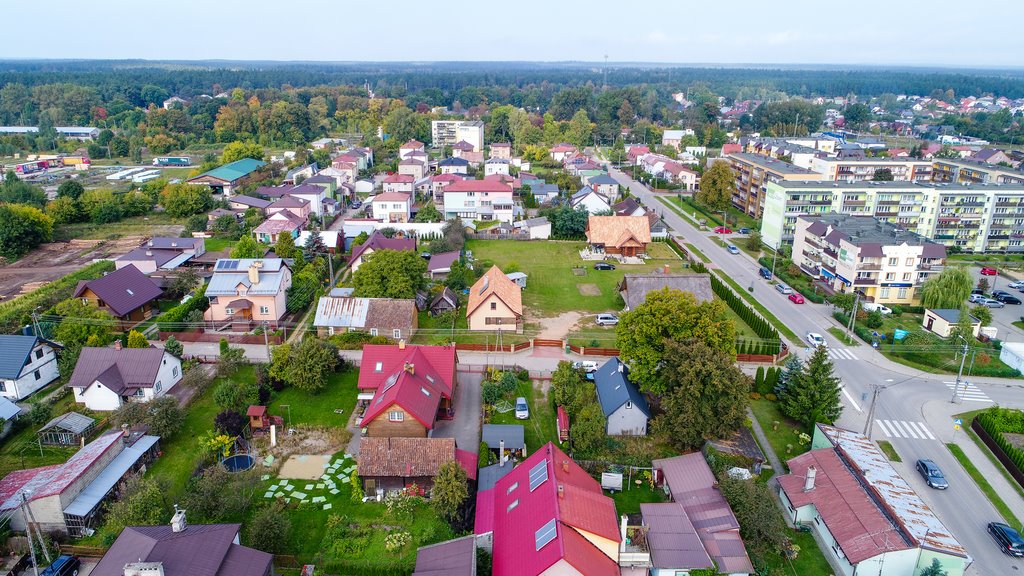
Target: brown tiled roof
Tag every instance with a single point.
(494, 281)
(404, 457)
(618, 230)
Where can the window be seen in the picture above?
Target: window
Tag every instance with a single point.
(512, 487)
(158, 387)
(3, 386)
(373, 331)
(513, 505)
(174, 372)
(902, 293)
(910, 261)
(39, 353)
(379, 367)
(229, 310)
(890, 276)
(906, 275)
(885, 293)
(396, 416)
(396, 333)
(893, 261)
(494, 305)
(264, 309)
(37, 375)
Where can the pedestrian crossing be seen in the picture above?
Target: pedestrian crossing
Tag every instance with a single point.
(904, 429)
(969, 392)
(842, 354)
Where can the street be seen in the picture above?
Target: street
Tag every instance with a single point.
(915, 414)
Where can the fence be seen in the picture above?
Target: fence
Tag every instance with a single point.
(84, 551)
(214, 337)
(593, 350)
(23, 564)
(1001, 455)
(497, 236)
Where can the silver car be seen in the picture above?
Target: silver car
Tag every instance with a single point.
(607, 319)
(991, 303)
(522, 409)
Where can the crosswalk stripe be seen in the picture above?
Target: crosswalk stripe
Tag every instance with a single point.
(899, 428)
(881, 424)
(852, 355)
(926, 431)
(905, 429)
(913, 426)
(968, 392)
(910, 430)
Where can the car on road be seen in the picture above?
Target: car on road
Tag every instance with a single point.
(732, 249)
(1018, 285)
(988, 271)
(357, 205)
(64, 565)
(587, 365)
(815, 339)
(607, 319)
(723, 230)
(991, 303)
(1009, 540)
(522, 409)
(1008, 299)
(604, 266)
(796, 298)
(932, 475)
(872, 306)
(744, 230)
(973, 298)
(765, 273)
(783, 289)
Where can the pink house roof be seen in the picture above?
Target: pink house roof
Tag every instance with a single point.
(391, 357)
(449, 178)
(462, 145)
(468, 461)
(378, 241)
(399, 179)
(391, 197)
(562, 148)
(415, 385)
(486, 185)
(548, 486)
(731, 148)
(412, 144)
(484, 519)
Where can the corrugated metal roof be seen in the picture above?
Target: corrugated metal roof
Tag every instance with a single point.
(512, 434)
(451, 558)
(72, 422)
(14, 352)
(93, 494)
(342, 312)
(672, 539)
(8, 409)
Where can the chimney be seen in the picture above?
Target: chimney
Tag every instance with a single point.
(254, 273)
(623, 523)
(561, 491)
(622, 367)
(401, 344)
(565, 467)
(809, 479)
(178, 523)
(501, 453)
(150, 243)
(410, 368)
(117, 344)
(149, 252)
(665, 269)
(126, 433)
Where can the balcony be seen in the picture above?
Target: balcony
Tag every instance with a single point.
(814, 256)
(810, 242)
(865, 281)
(813, 271)
(854, 202)
(886, 213)
(829, 267)
(931, 267)
(869, 267)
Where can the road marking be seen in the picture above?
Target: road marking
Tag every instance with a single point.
(969, 392)
(905, 429)
(841, 354)
(852, 401)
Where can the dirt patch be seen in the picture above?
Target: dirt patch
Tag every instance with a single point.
(588, 289)
(558, 327)
(305, 467)
(51, 261)
(1015, 440)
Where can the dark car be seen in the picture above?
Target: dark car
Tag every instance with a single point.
(977, 291)
(997, 293)
(744, 230)
(604, 266)
(765, 273)
(63, 566)
(932, 475)
(1009, 540)
(1008, 299)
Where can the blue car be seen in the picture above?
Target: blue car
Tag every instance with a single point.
(765, 273)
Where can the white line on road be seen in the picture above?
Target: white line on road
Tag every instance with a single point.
(852, 401)
(881, 425)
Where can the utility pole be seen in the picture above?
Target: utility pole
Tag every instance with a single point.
(853, 314)
(960, 373)
(774, 256)
(28, 531)
(875, 390)
(35, 322)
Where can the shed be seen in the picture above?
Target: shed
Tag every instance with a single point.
(67, 429)
(257, 417)
(511, 434)
(941, 321)
(1012, 355)
(518, 277)
(563, 424)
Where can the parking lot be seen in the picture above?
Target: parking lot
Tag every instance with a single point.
(1003, 318)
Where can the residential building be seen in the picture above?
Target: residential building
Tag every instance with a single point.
(245, 292)
(282, 221)
(375, 242)
(868, 518)
(629, 207)
(107, 378)
(862, 169)
(674, 138)
(942, 321)
(501, 150)
(27, 363)
(333, 240)
(399, 183)
(882, 262)
(440, 264)
(445, 301)
(412, 167)
(126, 293)
(241, 203)
(634, 288)
(625, 236)
(562, 152)
(392, 207)
(488, 199)
(993, 157)
(495, 303)
(295, 176)
(388, 317)
(327, 143)
(536, 228)
(412, 387)
(453, 166)
(625, 408)
(960, 171)
(448, 132)
(224, 179)
(786, 149)
(410, 147)
(548, 516)
(69, 497)
(183, 549)
(590, 200)
(496, 166)
(605, 185)
(753, 174)
(313, 194)
(390, 464)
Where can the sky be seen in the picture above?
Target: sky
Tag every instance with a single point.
(872, 32)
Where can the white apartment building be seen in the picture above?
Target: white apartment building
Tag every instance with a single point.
(861, 169)
(448, 132)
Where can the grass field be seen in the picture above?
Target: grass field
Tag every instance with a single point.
(783, 436)
(889, 450)
(753, 302)
(540, 428)
(844, 336)
(628, 500)
(156, 224)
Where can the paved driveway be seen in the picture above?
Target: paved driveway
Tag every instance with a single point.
(465, 427)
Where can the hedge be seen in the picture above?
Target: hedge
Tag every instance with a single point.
(18, 312)
(168, 320)
(997, 421)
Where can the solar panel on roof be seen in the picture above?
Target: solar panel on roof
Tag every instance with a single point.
(546, 533)
(538, 474)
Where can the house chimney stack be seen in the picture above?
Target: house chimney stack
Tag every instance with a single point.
(501, 453)
(178, 523)
(401, 344)
(117, 344)
(565, 466)
(410, 368)
(665, 269)
(149, 252)
(623, 524)
(561, 491)
(809, 479)
(254, 273)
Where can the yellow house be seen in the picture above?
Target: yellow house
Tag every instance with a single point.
(495, 303)
(942, 321)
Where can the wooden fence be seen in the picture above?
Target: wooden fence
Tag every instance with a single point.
(214, 337)
(593, 350)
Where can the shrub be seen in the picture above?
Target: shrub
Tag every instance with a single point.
(229, 422)
(269, 530)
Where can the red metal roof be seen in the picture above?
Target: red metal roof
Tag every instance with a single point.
(399, 179)
(414, 378)
(256, 411)
(484, 521)
(468, 461)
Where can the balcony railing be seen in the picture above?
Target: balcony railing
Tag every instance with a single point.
(865, 281)
(869, 267)
(831, 252)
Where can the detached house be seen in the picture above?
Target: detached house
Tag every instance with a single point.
(375, 242)
(106, 378)
(620, 235)
(392, 464)
(394, 207)
(625, 408)
(248, 291)
(495, 303)
(412, 387)
(590, 200)
(605, 185)
(280, 222)
(488, 199)
(399, 183)
(127, 293)
(27, 363)
(389, 317)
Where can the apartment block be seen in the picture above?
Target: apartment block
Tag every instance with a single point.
(961, 171)
(753, 174)
(883, 262)
(450, 132)
(863, 169)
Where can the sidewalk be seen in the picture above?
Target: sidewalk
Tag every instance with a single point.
(766, 446)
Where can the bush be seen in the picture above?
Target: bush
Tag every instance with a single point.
(235, 396)
(230, 422)
(269, 530)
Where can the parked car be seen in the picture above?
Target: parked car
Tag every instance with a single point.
(991, 303)
(522, 409)
(723, 230)
(977, 291)
(783, 289)
(604, 266)
(974, 298)
(872, 306)
(988, 271)
(1018, 285)
(732, 249)
(63, 566)
(932, 475)
(356, 205)
(587, 365)
(997, 293)
(425, 255)
(744, 230)
(796, 298)
(1009, 299)
(765, 273)
(815, 339)
(1009, 540)
(607, 319)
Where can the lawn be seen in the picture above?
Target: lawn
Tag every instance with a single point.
(628, 500)
(889, 450)
(843, 336)
(983, 484)
(218, 244)
(540, 428)
(782, 432)
(694, 250)
(299, 408)
(552, 288)
(810, 560)
(155, 224)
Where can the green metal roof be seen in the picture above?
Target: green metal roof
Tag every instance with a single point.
(235, 170)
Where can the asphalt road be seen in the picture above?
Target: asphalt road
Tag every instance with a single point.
(914, 412)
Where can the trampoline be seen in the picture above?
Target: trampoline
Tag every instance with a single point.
(238, 462)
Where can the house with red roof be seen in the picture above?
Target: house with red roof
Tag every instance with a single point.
(375, 242)
(412, 387)
(398, 183)
(409, 147)
(390, 464)
(560, 152)
(548, 516)
(392, 207)
(488, 199)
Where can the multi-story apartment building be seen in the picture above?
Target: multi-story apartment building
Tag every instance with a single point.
(967, 217)
(753, 174)
(783, 149)
(861, 169)
(881, 261)
(449, 132)
(962, 171)
(488, 199)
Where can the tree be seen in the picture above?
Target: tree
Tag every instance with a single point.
(947, 290)
(964, 326)
(285, 246)
(230, 422)
(857, 114)
(459, 278)
(580, 129)
(18, 192)
(181, 200)
(934, 569)
(164, 416)
(64, 210)
(236, 396)
(229, 359)
(883, 175)
(753, 241)
(813, 395)
(983, 284)
(22, 228)
(305, 365)
(761, 525)
(717, 186)
(390, 274)
(173, 347)
(708, 395)
(588, 427)
(269, 530)
(70, 189)
(137, 339)
(357, 494)
(240, 150)
(73, 331)
(450, 490)
(982, 313)
(669, 315)
(843, 300)
(247, 247)
(314, 246)
(428, 213)
(141, 503)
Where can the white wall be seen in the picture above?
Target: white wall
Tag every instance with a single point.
(97, 397)
(168, 375)
(27, 383)
(627, 421)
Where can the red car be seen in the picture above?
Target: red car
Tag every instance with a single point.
(723, 230)
(986, 271)
(796, 298)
